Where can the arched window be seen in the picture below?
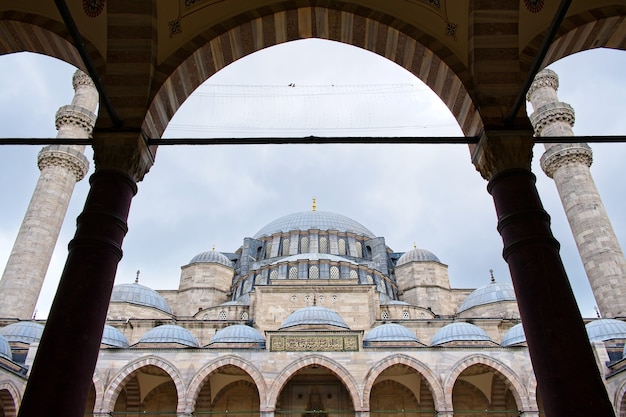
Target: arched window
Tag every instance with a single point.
(268, 250)
(314, 272)
(359, 249)
(405, 315)
(244, 315)
(274, 274)
(222, 315)
(286, 244)
(304, 244)
(384, 315)
(323, 244)
(354, 274)
(342, 246)
(334, 272)
(293, 272)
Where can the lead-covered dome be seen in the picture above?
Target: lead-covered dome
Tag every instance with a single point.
(606, 329)
(212, 257)
(23, 332)
(113, 337)
(390, 332)
(460, 332)
(139, 295)
(493, 293)
(238, 333)
(169, 333)
(319, 220)
(5, 348)
(314, 316)
(514, 336)
(417, 255)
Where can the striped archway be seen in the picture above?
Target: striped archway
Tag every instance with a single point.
(9, 398)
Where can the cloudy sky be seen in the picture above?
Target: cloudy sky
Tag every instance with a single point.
(197, 197)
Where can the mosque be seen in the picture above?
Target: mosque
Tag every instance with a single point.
(313, 315)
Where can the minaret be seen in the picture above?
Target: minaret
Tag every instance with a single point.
(61, 167)
(568, 164)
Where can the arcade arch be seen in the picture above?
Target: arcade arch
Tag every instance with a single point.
(9, 399)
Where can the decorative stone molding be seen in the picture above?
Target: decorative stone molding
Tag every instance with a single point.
(565, 154)
(552, 113)
(77, 116)
(80, 79)
(543, 79)
(66, 157)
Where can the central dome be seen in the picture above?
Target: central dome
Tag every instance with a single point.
(320, 220)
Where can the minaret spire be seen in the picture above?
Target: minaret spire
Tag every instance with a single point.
(61, 167)
(314, 204)
(568, 165)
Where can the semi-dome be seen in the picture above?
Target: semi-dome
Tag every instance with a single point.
(606, 329)
(492, 293)
(314, 315)
(212, 257)
(237, 333)
(5, 348)
(417, 255)
(169, 333)
(320, 220)
(114, 337)
(390, 332)
(514, 336)
(24, 332)
(459, 331)
(139, 295)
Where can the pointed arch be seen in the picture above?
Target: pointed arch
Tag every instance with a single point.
(401, 359)
(200, 377)
(99, 386)
(117, 382)
(333, 366)
(510, 377)
(619, 398)
(249, 33)
(10, 398)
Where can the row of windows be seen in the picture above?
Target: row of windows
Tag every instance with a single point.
(222, 315)
(323, 246)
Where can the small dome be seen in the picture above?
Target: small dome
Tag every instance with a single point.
(238, 333)
(169, 333)
(212, 257)
(459, 331)
(139, 295)
(314, 315)
(417, 255)
(24, 331)
(606, 329)
(390, 332)
(114, 338)
(492, 293)
(514, 336)
(314, 257)
(5, 349)
(318, 220)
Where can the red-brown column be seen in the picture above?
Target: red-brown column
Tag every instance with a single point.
(62, 371)
(568, 379)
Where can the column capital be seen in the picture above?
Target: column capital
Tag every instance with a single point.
(123, 151)
(65, 156)
(562, 154)
(501, 150)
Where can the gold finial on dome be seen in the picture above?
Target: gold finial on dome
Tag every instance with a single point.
(492, 278)
(137, 277)
(213, 248)
(314, 204)
(414, 245)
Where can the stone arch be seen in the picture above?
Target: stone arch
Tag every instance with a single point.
(99, 386)
(198, 380)
(38, 34)
(117, 382)
(406, 46)
(346, 378)
(400, 359)
(9, 398)
(510, 377)
(604, 28)
(619, 398)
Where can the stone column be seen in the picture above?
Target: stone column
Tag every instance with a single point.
(568, 165)
(548, 309)
(61, 167)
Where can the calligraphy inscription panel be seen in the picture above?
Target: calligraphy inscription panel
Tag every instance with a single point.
(314, 344)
